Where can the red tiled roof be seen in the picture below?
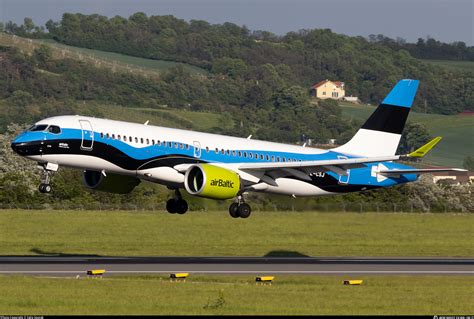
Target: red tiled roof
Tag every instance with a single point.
(315, 86)
(337, 83)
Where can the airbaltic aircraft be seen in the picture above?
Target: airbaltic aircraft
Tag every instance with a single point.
(116, 156)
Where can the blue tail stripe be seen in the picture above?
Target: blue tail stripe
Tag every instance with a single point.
(403, 93)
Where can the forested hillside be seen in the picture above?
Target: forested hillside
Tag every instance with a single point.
(37, 86)
(298, 58)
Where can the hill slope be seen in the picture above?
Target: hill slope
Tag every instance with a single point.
(111, 60)
(456, 130)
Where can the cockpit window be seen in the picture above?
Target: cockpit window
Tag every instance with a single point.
(54, 129)
(37, 128)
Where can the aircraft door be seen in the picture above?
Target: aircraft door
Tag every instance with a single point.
(87, 135)
(197, 149)
(344, 179)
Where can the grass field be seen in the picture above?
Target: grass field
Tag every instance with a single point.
(158, 65)
(456, 130)
(200, 121)
(224, 295)
(467, 66)
(109, 60)
(217, 234)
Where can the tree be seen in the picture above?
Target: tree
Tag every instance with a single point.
(28, 25)
(414, 136)
(42, 54)
(229, 66)
(468, 163)
(291, 97)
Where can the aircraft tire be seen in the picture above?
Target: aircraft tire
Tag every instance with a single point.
(171, 206)
(244, 210)
(44, 188)
(181, 206)
(234, 210)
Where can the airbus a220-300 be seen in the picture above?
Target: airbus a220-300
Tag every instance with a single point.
(115, 156)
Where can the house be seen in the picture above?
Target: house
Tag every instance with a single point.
(328, 90)
(453, 177)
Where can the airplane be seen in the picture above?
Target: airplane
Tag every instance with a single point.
(116, 156)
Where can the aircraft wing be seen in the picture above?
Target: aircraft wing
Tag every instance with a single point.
(397, 172)
(344, 163)
(340, 166)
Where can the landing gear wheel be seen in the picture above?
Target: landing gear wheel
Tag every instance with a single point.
(45, 188)
(171, 206)
(233, 210)
(181, 206)
(244, 210)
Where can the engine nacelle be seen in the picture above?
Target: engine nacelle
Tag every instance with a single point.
(211, 181)
(112, 183)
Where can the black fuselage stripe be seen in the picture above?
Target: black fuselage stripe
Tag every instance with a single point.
(388, 118)
(124, 161)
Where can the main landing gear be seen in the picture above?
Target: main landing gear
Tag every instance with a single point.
(177, 204)
(240, 209)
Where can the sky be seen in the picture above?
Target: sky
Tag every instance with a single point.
(444, 20)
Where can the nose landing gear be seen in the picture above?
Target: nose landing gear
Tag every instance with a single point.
(177, 204)
(48, 171)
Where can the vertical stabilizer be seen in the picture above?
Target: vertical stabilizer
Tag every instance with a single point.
(381, 133)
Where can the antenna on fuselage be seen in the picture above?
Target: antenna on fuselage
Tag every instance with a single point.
(249, 137)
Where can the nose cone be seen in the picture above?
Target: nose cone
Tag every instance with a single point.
(24, 147)
(19, 148)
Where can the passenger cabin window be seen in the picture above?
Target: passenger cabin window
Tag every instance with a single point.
(147, 141)
(101, 135)
(141, 140)
(107, 135)
(136, 139)
(129, 138)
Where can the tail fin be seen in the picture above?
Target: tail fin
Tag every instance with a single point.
(381, 133)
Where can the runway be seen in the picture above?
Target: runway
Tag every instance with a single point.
(78, 265)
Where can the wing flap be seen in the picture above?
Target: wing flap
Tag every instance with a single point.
(346, 163)
(397, 172)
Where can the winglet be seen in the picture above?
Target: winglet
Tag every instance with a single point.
(422, 151)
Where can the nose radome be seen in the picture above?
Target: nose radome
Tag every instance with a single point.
(15, 147)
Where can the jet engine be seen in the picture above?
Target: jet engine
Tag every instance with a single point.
(112, 183)
(211, 181)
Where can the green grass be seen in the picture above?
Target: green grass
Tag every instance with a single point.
(151, 64)
(184, 119)
(217, 234)
(456, 130)
(225, 295)
(467, 66)
(110, 60)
